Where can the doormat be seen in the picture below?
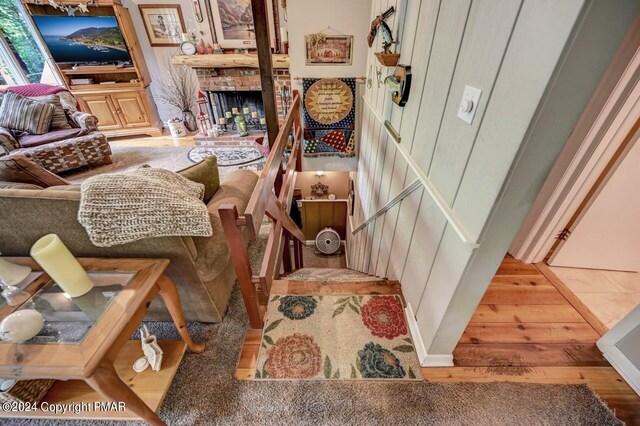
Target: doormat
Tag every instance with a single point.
(336, 338)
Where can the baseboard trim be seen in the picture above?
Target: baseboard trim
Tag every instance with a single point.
(415, 334)
(432, 360)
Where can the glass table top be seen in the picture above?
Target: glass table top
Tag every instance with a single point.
(67, 319)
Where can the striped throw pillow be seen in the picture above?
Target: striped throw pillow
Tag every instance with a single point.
(59, 119)
(25, 115)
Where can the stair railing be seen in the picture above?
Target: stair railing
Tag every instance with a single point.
(255, 289)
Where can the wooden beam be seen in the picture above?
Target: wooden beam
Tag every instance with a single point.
(263, 45)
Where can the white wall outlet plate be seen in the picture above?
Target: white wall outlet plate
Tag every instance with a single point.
(469, 104)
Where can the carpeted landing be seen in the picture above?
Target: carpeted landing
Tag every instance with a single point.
(205, 392)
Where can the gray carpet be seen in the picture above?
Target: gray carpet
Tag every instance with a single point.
(205, 392)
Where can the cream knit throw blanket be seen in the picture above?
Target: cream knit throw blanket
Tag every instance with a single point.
(123, 207)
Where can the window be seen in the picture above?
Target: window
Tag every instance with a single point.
(22, 58)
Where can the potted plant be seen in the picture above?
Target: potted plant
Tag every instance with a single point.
(179, 89)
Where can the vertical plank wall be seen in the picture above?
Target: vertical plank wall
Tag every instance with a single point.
(511, 50)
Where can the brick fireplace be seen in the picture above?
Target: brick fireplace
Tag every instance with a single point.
(237, 87)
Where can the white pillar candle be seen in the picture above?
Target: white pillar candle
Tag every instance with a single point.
(63, 268)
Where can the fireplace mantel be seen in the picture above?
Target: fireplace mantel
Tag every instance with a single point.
(231, 60)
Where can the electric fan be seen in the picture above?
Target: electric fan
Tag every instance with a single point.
(328, 241)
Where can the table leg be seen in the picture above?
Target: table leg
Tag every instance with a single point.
(105, 381)
(169, 294)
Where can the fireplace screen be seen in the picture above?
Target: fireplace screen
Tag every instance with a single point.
(221, 102)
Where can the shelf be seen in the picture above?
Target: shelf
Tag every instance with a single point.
(232, 60)
(107, 69)
(101, 87)
(150, 386)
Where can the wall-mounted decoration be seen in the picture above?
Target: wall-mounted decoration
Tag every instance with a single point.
(386, 57)
(399, 84)
(197, 10)
(319, 189)
(163, 22)
(322, 49)
(329, 117)
(233, 23)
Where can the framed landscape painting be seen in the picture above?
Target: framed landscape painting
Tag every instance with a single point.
(328, 50)
(233, 23)
(163, 22)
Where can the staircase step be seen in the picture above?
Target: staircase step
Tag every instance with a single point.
(329, 274)
(293, 287)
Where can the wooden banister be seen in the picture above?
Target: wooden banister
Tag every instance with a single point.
(258, 202)
(255, 289)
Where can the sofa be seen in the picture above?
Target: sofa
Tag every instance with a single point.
(70, 140)
(200, 266)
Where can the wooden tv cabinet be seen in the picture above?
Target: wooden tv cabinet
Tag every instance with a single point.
(119, 96)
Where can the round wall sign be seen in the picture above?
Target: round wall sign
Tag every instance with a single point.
(328, 101)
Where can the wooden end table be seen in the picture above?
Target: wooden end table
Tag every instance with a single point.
(97, 351)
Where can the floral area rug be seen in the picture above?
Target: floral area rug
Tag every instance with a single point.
(337, 337)
(229, 156)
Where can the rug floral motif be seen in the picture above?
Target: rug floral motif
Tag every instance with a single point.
(337, 337)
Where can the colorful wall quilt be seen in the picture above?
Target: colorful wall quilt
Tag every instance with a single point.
(329, 117)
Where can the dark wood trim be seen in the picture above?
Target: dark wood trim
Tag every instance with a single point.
(241, 264)
(263, 45)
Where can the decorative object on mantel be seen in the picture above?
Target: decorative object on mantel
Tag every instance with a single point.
(386, 57)
(208, 49)
(63, 268)
(324, 49)
(151, 348)
(21, 326)
(329, 117)
(188, 47)
(179, 89)
(233, 23)
(197, 10)
(399, 84)
(163, 23)
(201, 48)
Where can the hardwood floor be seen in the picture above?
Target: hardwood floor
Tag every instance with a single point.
(164, 140)
(524, 331)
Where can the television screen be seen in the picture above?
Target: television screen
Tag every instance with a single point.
(81, 39)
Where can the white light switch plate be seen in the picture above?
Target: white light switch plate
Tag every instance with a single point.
(470, 94)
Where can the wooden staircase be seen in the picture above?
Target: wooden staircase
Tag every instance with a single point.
(310, 281)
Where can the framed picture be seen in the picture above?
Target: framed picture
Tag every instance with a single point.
(233, 23)
(163, 22)
(328, 50)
